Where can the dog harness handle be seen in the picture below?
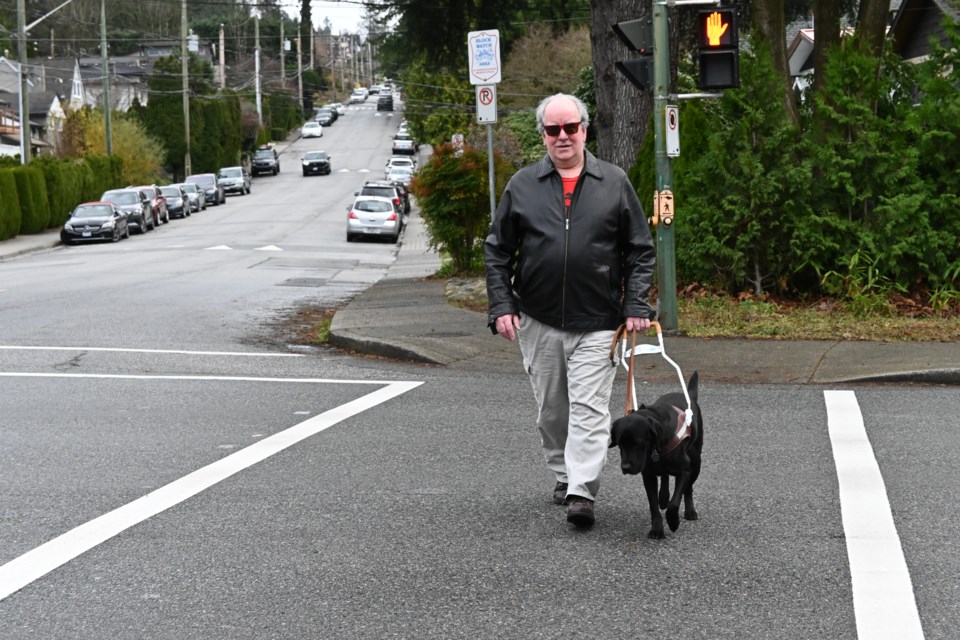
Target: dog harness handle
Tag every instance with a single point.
(620, 335)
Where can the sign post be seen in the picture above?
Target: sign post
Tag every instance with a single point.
(485, 67)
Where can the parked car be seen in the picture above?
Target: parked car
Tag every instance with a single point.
(135, 204)
(338, 108)
(404, 143)
(316, 162)
(158, 203)
(95, 221)
(234, 180)
(403, 175)
(385, 102)
(396, 193)
(178, 206)
(311, 130)
(399, 161)
(325, 117)
(370, 216)
(212, 189)
(195, 196)
(265, 160)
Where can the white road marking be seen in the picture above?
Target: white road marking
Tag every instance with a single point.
(269, 248)
(115, 376)
(40, 561)
(221, 247)
(243, 354)
(883, 599)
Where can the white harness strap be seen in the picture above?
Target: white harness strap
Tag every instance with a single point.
(647, 349)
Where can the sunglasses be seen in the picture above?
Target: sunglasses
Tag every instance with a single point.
(570, 128)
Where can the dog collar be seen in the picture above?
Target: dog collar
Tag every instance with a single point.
(683, 432)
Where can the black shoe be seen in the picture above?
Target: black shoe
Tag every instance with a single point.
(560, 493)
(580, 511)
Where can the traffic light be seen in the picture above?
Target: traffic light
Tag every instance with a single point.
(719, 49)
(638, 36)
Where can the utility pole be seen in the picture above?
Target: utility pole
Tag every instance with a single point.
(223, 62)
(370, 61)
(333, 77)
(184, 68)
(108, 134)
(313, 44)
(282, 56)
(22, 30)
(24, 89)
(256, 58)
(299, 74)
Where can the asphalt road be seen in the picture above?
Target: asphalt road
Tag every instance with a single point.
(171, 470)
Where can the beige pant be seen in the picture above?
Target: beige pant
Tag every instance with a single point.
(572, 380)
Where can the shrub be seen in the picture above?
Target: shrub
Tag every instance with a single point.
(9, 205)
(454, 197)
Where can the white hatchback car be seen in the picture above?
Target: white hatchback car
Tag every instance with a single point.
(312, 130)
(373, 216)
(398, 161)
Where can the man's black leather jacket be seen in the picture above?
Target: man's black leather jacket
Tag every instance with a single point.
(582, 269)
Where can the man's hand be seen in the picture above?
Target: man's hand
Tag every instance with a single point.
(637, 324)
(508, 325)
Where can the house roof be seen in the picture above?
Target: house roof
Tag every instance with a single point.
(916, 21)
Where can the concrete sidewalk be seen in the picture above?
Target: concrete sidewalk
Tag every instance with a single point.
(407, 316)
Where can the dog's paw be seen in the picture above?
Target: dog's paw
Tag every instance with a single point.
(673, 518)
(690, 514)
(656, 534)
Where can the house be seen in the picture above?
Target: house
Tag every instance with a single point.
(916, 22)
(10, 111)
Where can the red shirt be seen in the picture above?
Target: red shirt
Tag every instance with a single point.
(569, 184)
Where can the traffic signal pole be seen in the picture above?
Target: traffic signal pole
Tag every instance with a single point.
(666, 248)
(719, 69)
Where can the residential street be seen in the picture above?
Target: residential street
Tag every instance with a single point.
(173, 468)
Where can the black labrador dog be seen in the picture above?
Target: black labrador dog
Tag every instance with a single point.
(654, 443)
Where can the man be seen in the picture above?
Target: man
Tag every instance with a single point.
(569, 258)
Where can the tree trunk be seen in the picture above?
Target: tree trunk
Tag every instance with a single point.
(872, 26)
(826, 34)
(769, 24)
(623, 112)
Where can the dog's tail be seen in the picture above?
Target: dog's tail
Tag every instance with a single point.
(692, 386)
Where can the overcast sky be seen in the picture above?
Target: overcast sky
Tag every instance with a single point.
(344, 16)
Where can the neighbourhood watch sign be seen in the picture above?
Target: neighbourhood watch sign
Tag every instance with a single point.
(484, 49)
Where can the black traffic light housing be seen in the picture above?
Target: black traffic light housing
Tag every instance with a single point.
(638, 36)
(719, 48)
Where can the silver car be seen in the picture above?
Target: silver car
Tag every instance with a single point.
(195, 196)
(234, 180)
(403, 175)
(373, 216)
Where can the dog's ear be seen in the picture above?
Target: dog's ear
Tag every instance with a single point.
(615, 433)
(693, 384)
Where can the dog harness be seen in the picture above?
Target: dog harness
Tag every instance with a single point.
(683, 432)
